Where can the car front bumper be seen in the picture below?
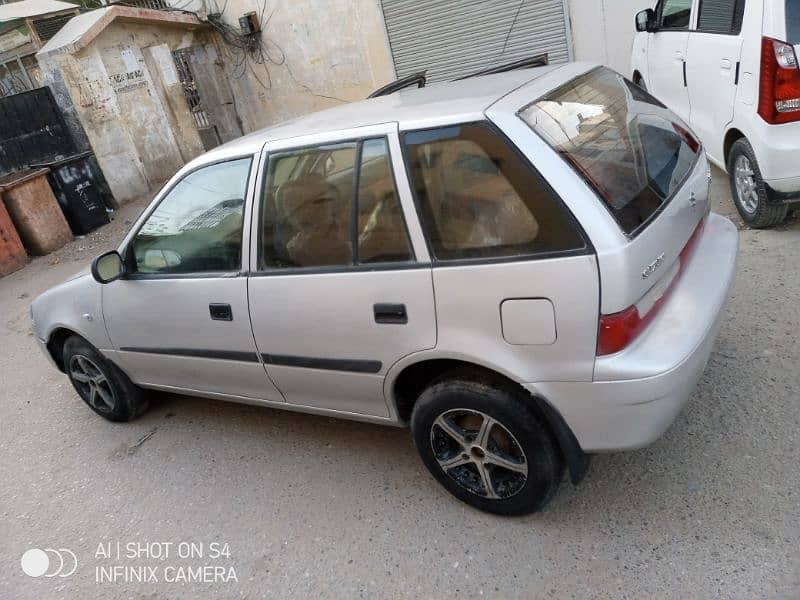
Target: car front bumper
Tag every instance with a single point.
(637, 393)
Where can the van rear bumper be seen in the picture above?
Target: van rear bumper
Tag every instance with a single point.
(777, 148)
(637, 393)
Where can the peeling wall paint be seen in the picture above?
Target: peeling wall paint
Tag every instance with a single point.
(131, 106)
(318, 54)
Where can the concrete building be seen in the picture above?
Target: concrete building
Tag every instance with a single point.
(24, 27)
(312, 54)
(153, 88)
(114, 71)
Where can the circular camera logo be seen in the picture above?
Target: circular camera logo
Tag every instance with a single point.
(49, 562)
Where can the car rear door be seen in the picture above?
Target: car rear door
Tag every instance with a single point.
(666, 55)
(713, 69)
(342, 284)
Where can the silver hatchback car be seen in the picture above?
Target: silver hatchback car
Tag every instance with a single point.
(521, 266)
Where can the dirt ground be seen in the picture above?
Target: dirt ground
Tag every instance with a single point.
(317, 507)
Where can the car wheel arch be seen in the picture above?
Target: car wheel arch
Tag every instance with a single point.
(731, 136)
(55, 344)
(413, 378)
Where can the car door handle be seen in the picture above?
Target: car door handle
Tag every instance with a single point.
(725, 64)
(220, 312)
(390, 314)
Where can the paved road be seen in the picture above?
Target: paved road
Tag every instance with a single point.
(315, 507)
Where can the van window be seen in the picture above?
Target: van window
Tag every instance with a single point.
(675, 14)
(631, 149)
(793, 21)
(480, 199)
(721, 16)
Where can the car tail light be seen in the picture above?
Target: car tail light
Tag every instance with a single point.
(779, 88)
(618, 330)
(690, 140)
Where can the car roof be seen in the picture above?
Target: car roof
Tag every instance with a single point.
(411, 108)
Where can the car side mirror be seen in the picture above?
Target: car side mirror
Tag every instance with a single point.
(646, 20)
(108, 267)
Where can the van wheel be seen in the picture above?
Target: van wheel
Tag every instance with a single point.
(748, 189)
(483, 442)
(100, 383)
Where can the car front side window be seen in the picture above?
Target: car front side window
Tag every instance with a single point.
(197, 226)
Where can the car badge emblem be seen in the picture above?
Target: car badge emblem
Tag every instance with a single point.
(651, 268)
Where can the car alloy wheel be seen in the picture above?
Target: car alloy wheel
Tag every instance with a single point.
(92, 384)
(746, 185)
(479, 453)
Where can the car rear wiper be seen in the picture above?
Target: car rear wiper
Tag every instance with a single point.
(418, 78)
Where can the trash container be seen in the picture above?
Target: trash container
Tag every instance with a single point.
(81, 191)
(33, 209)
(12, 252)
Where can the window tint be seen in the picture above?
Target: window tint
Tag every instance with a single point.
(480, 199)
(675, 14)
(311, 206)
(721, 16)
(793, 21)
(382, 232)
(631, 149)
(308, 208)
(197, 227)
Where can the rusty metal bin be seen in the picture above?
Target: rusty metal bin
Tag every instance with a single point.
(12, 254)
(33, 209)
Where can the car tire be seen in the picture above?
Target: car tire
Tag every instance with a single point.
(489, 434)
(748, 188)
(100, 383)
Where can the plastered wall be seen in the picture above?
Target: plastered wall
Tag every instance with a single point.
(603, 30)
(126, 93)
(316, 54)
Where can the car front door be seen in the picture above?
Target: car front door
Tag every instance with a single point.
(666, 55)
(342, 288)
(712, 70)
(179, 319)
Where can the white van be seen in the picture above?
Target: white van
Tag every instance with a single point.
(730, 69)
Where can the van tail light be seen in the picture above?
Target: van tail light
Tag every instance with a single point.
(779, 87)
(618, 330)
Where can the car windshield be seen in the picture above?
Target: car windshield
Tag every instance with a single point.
(793, 21)
(627, 145)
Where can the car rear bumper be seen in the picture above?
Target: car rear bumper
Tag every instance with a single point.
(777, 148)
(637, 393)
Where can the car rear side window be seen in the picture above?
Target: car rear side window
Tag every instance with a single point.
(721, 16)
(793, 21)
(632, 150)
(480, 199)
(332, 205)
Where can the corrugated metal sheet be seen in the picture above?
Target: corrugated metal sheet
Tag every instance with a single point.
(452, 38)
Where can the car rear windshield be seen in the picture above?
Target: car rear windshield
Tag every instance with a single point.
(628, 146)
(793, 21)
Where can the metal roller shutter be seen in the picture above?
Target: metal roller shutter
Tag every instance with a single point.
(451, 38)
